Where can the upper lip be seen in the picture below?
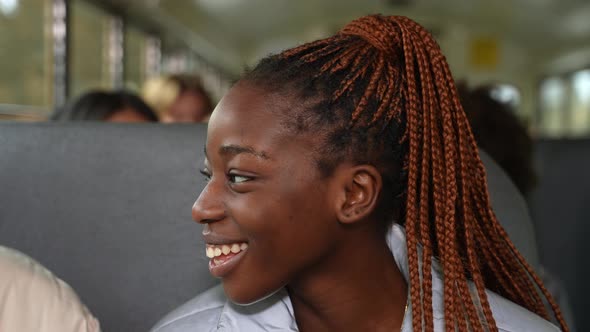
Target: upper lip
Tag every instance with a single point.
(218, 239)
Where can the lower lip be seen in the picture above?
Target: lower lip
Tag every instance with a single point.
(221, 270)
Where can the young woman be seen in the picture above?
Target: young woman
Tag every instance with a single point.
(346, 193)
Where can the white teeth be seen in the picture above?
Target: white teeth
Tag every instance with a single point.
(216, 261)
(210, 252)
(218, 250)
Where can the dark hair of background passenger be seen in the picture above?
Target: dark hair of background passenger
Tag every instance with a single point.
(500, 133)
(99, 105)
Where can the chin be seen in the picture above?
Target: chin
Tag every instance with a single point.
(244, 296)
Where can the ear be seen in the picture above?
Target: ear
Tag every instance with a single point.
(359, 189)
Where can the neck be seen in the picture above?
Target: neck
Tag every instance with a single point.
(358, 288)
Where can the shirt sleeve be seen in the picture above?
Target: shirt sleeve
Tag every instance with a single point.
(34, 299)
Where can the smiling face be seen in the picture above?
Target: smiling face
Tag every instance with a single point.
(264, 193)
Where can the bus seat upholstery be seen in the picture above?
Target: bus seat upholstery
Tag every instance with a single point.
(560, 207)
(107, 207)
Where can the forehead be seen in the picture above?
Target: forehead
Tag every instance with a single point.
(250, 116)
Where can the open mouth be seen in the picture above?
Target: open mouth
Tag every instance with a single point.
(224, 257)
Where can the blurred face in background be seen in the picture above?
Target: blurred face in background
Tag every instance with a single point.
(127, 114)
(188, 107)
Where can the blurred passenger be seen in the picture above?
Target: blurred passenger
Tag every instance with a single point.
(178, 98)
(500, 133)
(33, 299)
(118, 106)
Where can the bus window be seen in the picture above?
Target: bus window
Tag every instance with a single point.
(580, 103)
(26, 59)
(553, 94)
(89, 48)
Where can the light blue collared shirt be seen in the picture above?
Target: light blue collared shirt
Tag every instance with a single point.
(212, 312)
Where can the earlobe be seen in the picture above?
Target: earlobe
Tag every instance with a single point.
(360, 191)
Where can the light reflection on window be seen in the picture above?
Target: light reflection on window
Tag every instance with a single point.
(8, 7)
(565, 105)
(580, 103)
(553, 105)
(506, 94)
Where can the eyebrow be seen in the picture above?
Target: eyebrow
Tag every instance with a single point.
(234, 150)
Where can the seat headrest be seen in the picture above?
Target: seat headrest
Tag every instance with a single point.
(511, 210)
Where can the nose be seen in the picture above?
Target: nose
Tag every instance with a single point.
(208, 207)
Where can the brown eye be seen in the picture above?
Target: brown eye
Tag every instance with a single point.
(236, 179)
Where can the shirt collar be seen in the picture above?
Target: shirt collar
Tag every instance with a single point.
(275, 313)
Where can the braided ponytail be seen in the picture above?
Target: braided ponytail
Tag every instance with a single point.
(387, 83)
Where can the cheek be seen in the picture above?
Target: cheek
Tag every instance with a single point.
(292, 205)
(286, 238)
(290, 228)
(287, 228)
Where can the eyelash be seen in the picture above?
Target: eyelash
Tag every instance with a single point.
(206, 174)
(230, 177)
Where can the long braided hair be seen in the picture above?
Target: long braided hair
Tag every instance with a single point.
(380, 91)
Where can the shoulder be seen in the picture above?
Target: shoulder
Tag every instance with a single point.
(510, 317)
(202, 313)
(27, 289)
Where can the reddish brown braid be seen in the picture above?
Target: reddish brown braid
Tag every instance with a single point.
(388, 80)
